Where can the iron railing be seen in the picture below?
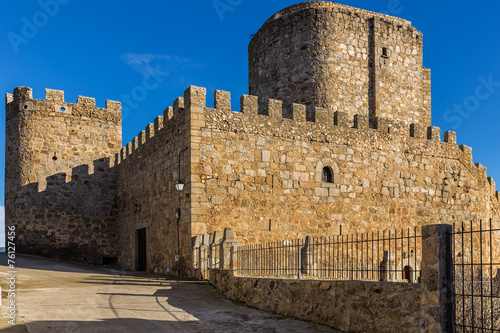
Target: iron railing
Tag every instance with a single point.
(476, 277)
(381, 256)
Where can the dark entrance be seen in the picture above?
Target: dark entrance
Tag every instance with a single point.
(407, 273)
(141, 249)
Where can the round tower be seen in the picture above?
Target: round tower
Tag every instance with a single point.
(60, 191)
(342, 58)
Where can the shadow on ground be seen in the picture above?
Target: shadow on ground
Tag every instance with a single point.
(105, 300)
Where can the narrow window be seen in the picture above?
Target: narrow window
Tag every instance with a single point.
(327, 175)
(385, 53)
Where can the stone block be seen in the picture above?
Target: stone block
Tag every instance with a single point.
(158, 124)
(249, 104)
(178, 105)
(229, 234)
(113, 105)
(434, 133)
(56, 96)
(150, 131)
(274, 109)
(222, 100)
(195, 97)
(416, 131)
(450, 137)
(168, 113)
(299, 112)
(492, 183)
(467, 152)
(123, 154)
(9, 98)
(382, 125)
(87, 102)
(341, 119)
(482, 170)
(129, 148)
(142, 137)
(135, 143)
(361, 122)
(322, 116)
(23, 94)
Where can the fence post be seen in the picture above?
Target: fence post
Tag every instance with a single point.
(309, 257)
(299, 259)
(234, 265)
(386, 267)
(213, 256)
(214, 247)
(228, 242)
(204, 248)
(437, 274)
(196, 242)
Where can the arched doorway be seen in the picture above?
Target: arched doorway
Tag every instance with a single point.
(407, 273)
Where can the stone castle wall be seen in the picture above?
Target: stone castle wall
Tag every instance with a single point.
(323, 54)
(60, 187)
(261, 174)
(147, 173)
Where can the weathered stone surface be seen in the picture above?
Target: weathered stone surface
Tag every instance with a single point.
(345, 305)
(341, 58)
(60, 176)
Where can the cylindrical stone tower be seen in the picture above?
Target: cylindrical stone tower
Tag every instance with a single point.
(60, 186)
(342, 58)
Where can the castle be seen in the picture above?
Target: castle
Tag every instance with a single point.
(335, 137)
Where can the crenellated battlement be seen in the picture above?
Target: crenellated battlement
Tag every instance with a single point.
(170, 115)
(272, 118)
(54, 104)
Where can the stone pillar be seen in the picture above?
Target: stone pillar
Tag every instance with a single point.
(228, 242)
(309, 257)
(204, 248)
(196, 243)
(235, 261)
(437, 275)
(214, 255)
(387, 267)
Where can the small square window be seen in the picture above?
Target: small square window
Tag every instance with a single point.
(385, 52)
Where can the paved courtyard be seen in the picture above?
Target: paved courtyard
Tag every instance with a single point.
(52, 296)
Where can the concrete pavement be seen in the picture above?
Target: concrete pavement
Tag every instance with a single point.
(53, 296)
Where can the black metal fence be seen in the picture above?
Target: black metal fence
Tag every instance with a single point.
(381, 256)
(476, 277)
(281, 259)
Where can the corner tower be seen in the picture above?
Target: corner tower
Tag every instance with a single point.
(341, 58)
(60, 183)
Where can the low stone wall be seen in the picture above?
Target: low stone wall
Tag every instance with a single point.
(350, 306)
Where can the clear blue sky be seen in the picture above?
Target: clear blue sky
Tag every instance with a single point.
(103, 49)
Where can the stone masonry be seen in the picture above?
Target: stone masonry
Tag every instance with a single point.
(343, 59)
(365, 117)
(60, 188)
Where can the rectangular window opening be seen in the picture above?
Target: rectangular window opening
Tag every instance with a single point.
(385, 52)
